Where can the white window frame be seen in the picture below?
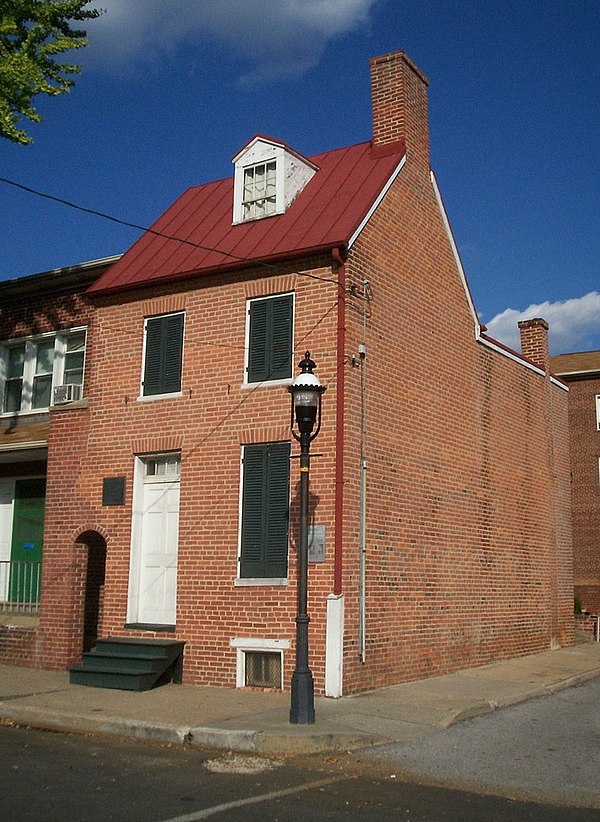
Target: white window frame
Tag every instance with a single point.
(263, 156)
(598, 412)
(244, 645)
(250, 204)
(283, 380)
(58, 366)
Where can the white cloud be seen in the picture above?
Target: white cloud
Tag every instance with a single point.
(278, 37)
(574, 324)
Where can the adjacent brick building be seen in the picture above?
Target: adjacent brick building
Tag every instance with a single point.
(440, 484)
(44, 323)
(581, 371)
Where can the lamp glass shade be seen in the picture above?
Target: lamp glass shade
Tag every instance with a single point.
(306, 396)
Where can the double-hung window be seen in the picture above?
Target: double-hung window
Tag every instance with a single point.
(598, 412)
(265, 510)
(163, 355)
(270, 329)
(259, 198)
(30, 369)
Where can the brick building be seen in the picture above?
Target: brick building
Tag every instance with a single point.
(581, 371)
(44, 323)
(440, 492)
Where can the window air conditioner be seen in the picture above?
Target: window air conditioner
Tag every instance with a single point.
(66, 393)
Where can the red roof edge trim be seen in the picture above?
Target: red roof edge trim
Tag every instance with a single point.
(512, 351)
(507, 348)
(225, 268)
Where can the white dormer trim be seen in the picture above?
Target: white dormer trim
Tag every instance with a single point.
(292, 173)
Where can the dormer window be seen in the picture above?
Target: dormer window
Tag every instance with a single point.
(268, 177)
(260, 191)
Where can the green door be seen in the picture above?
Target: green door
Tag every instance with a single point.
(26, 545)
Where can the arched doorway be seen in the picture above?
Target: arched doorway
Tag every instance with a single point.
(94, 585)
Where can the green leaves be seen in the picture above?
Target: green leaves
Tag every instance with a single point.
(32, 34)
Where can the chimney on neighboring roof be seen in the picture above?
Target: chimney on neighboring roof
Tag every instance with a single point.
(534, 341)
(399, 99)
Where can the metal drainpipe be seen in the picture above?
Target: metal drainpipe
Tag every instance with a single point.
(362, 627)
(339, 422)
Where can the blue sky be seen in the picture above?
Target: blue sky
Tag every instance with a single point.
(170, 91)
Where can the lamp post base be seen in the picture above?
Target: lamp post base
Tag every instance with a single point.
(302, 710)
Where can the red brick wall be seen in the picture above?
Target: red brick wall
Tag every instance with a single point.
(586, 623)
(210, 422)
(468, 528)
(17, 645)
(585, 456)
(38, 314)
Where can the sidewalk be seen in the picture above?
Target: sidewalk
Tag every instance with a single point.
(248, 721)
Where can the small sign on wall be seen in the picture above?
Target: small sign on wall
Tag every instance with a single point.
(113, 491)
(316, 543)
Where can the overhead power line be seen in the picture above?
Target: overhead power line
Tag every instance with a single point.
(147, 230)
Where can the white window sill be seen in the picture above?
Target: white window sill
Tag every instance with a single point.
(266, 383)
(259, 644)
(153, 397)
(240, 582)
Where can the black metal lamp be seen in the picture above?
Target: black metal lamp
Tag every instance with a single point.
(306, 391)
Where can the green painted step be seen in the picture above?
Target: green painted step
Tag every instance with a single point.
(130, 664)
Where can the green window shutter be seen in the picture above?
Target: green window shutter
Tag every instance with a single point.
(281, 337)
(270, 343)
(257, 353)
(173, 348)
(278, 510)
(164, 345)
(265, 510)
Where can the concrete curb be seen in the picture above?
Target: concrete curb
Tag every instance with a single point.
(490, 706)
(267, 742)
(111, 726)
(240, 741)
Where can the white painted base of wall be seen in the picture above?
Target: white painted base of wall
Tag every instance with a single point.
(334, 648)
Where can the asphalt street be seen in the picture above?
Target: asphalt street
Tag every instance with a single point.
(58, 777)
(545, 749)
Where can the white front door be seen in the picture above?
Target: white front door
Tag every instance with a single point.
(154, 559)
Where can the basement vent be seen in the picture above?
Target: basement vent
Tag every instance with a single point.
(262, 670)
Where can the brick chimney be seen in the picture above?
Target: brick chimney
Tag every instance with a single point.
(399, 99)
(534, 341)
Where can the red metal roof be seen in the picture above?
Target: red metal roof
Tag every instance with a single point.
(325, 214)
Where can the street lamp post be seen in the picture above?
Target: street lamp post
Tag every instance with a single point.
(306, 391)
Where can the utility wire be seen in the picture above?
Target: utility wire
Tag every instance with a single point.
(251, 392)
(147, 230)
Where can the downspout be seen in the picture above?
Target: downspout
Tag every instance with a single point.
(362, 599)
(334, 640)
(339, 421)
